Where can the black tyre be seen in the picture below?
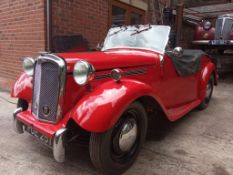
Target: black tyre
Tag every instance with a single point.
(114, 151)
(23, 104)
(209, 91)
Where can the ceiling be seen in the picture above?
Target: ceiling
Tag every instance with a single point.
(210, 11)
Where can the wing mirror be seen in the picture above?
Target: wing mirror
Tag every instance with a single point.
(178, 52)
(99, 46)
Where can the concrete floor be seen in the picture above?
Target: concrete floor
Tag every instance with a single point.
(199, 143)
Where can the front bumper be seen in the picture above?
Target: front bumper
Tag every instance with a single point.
(213, 42)
(52, 135)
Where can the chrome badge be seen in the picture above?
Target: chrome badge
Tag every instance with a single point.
(46, 110)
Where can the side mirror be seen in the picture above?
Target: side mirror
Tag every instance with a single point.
(99, 46)
(178, 52)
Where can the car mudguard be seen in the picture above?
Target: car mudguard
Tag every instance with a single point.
(23, 87)
(100, 109)
(206, 73)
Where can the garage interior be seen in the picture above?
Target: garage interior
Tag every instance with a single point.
(199, 143)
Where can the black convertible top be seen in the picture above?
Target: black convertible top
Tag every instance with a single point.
(189, 63)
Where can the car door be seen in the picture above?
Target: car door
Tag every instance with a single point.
(176, 90)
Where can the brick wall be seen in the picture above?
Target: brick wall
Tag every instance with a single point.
(21, 34)
(89, 18)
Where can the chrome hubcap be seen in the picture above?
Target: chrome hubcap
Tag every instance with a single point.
(128, 135)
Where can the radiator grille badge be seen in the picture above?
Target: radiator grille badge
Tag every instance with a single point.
(46, 110)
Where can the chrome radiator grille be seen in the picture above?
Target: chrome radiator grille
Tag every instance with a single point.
(48, 89)
(223, 28)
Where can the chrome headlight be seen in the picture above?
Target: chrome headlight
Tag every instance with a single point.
(83, 72)
(28, 66)
(207, 25)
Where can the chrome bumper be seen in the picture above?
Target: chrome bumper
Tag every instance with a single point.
(209, 42)
(59, 145)
(201, 42)
(17, 125)
(58, 141)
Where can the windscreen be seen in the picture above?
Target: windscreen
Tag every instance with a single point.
(151, 37)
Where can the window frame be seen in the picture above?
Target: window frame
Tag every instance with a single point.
(129, 9)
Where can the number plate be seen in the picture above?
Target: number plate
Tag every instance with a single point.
(220, 42)
(44, 139)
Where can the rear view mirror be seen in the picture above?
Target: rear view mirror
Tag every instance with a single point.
(178, 52)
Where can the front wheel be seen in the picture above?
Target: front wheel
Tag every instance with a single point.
(114, 151)
(209, 91)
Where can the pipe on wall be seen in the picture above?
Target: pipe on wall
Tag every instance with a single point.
(48, 22)
(179, 23)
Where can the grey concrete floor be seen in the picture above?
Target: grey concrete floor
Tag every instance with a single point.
(199, 143)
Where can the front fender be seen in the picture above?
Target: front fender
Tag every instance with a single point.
(22, 87)
(206, 73)
(99, 110)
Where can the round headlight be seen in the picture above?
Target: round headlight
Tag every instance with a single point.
(207, 25)
(28, 66)
(83, 72)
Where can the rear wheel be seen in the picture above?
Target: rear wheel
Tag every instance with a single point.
(114, 151)
(209, 91)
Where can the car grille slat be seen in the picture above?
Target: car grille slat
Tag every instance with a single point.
(223, 28)
(46, 91)
(218, 28)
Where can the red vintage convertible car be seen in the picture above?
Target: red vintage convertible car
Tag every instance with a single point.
(106, 96)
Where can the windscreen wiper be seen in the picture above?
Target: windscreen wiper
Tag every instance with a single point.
(122, 28)
(142, 30)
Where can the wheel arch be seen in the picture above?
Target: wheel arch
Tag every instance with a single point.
(22, 87)
(102, 108)
(206, 73)
(151, 105)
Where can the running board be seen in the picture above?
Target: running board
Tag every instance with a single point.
(178, 112)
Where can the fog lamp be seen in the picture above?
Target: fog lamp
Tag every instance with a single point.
(28, 66)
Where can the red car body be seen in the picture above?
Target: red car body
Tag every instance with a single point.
(110, 99)
(97, 106)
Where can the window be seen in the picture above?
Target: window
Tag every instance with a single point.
(118, 16)
(123, 14)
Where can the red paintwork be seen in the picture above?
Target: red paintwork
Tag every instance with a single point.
(23, 87)
(78, 49)
(201, 34)
(111, 59)
(97, 106)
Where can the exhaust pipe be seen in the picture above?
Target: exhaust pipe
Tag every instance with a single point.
(17, 125)
(59, 145)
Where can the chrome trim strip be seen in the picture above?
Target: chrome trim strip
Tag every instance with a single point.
(17, 125)
(134, 72)
(59, 145)
(126, 73)
(102, 76)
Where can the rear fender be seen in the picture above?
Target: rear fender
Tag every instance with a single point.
(206, 73)
(22, 87)
(99, 110)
